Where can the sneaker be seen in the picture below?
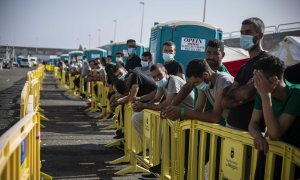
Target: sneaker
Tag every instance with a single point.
(149, 176)
(156, 169)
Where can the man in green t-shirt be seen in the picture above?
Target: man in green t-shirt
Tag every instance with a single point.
(276, 103)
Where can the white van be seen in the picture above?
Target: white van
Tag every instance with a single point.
(34, 61)
(25, 63)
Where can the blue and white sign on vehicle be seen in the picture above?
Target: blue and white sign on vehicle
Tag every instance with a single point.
(192, 44)
(94, 56)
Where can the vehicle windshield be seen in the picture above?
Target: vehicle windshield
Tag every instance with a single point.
(25, 60)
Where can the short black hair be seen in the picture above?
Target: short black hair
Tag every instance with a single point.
(169, 43)
(130, 40)
(156, 66)
(271, 66)
(83, 57)
(147, 54)
(120, 53)
(120, 86)
(216, 43)
(258, 23)
(197, 67)
(103, 61)
(109, 56)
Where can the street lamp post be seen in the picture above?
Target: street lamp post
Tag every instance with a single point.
(99, 43)
(141, 38)
(204, 9)
(115, 30)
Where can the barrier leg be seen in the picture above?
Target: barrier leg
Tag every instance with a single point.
(116, 143)
(133, 167)
(45, 176)
(42, 126)
(125, 158)
(43, 117)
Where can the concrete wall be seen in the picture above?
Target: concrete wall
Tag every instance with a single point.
(269, 41)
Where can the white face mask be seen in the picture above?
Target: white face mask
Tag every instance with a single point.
(145, 64)
(203, 86)
(246, 42)
(119, 59)
(168, 57)
(162, 83)
(122, 77)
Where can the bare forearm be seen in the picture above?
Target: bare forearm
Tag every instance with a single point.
(271, 122)
(242, 93)
(123, 100)
(149, 96)
(229, 102)
(254, 129)
(210, 117)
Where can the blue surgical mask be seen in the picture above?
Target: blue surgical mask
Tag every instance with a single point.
(246, 42)
(162, 83)
(122, 77)
(168, 57)
(203, 86)
(131, 51)
(145, 64)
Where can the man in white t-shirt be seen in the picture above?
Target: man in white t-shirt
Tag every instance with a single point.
(168, 87)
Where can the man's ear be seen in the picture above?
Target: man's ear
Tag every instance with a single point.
(205, 75)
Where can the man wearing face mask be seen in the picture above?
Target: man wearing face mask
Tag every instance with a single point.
(133, 60)
(173, 67)
(134, 86)
(146, 64)
(211, 86)
(168, 87)
(120, 59)
(240, 96)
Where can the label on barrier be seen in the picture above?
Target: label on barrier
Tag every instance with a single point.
(147, 125)
(232, 159)
(23, 150)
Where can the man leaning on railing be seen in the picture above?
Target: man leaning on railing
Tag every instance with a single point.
(276, 103)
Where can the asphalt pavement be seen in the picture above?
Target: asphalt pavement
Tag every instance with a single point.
(73, 142)
(11, 84)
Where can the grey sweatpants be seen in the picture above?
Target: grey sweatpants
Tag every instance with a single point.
(137, 120)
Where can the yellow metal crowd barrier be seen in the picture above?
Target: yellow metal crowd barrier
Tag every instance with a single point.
(132, 145)
(24, 99)
(20, 149)
(20, 145)
(49, 67)
(193, 149)
(188, 149)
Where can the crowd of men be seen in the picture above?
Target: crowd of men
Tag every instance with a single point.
(262, 98)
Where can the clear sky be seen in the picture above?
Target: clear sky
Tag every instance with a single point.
(68, 23)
